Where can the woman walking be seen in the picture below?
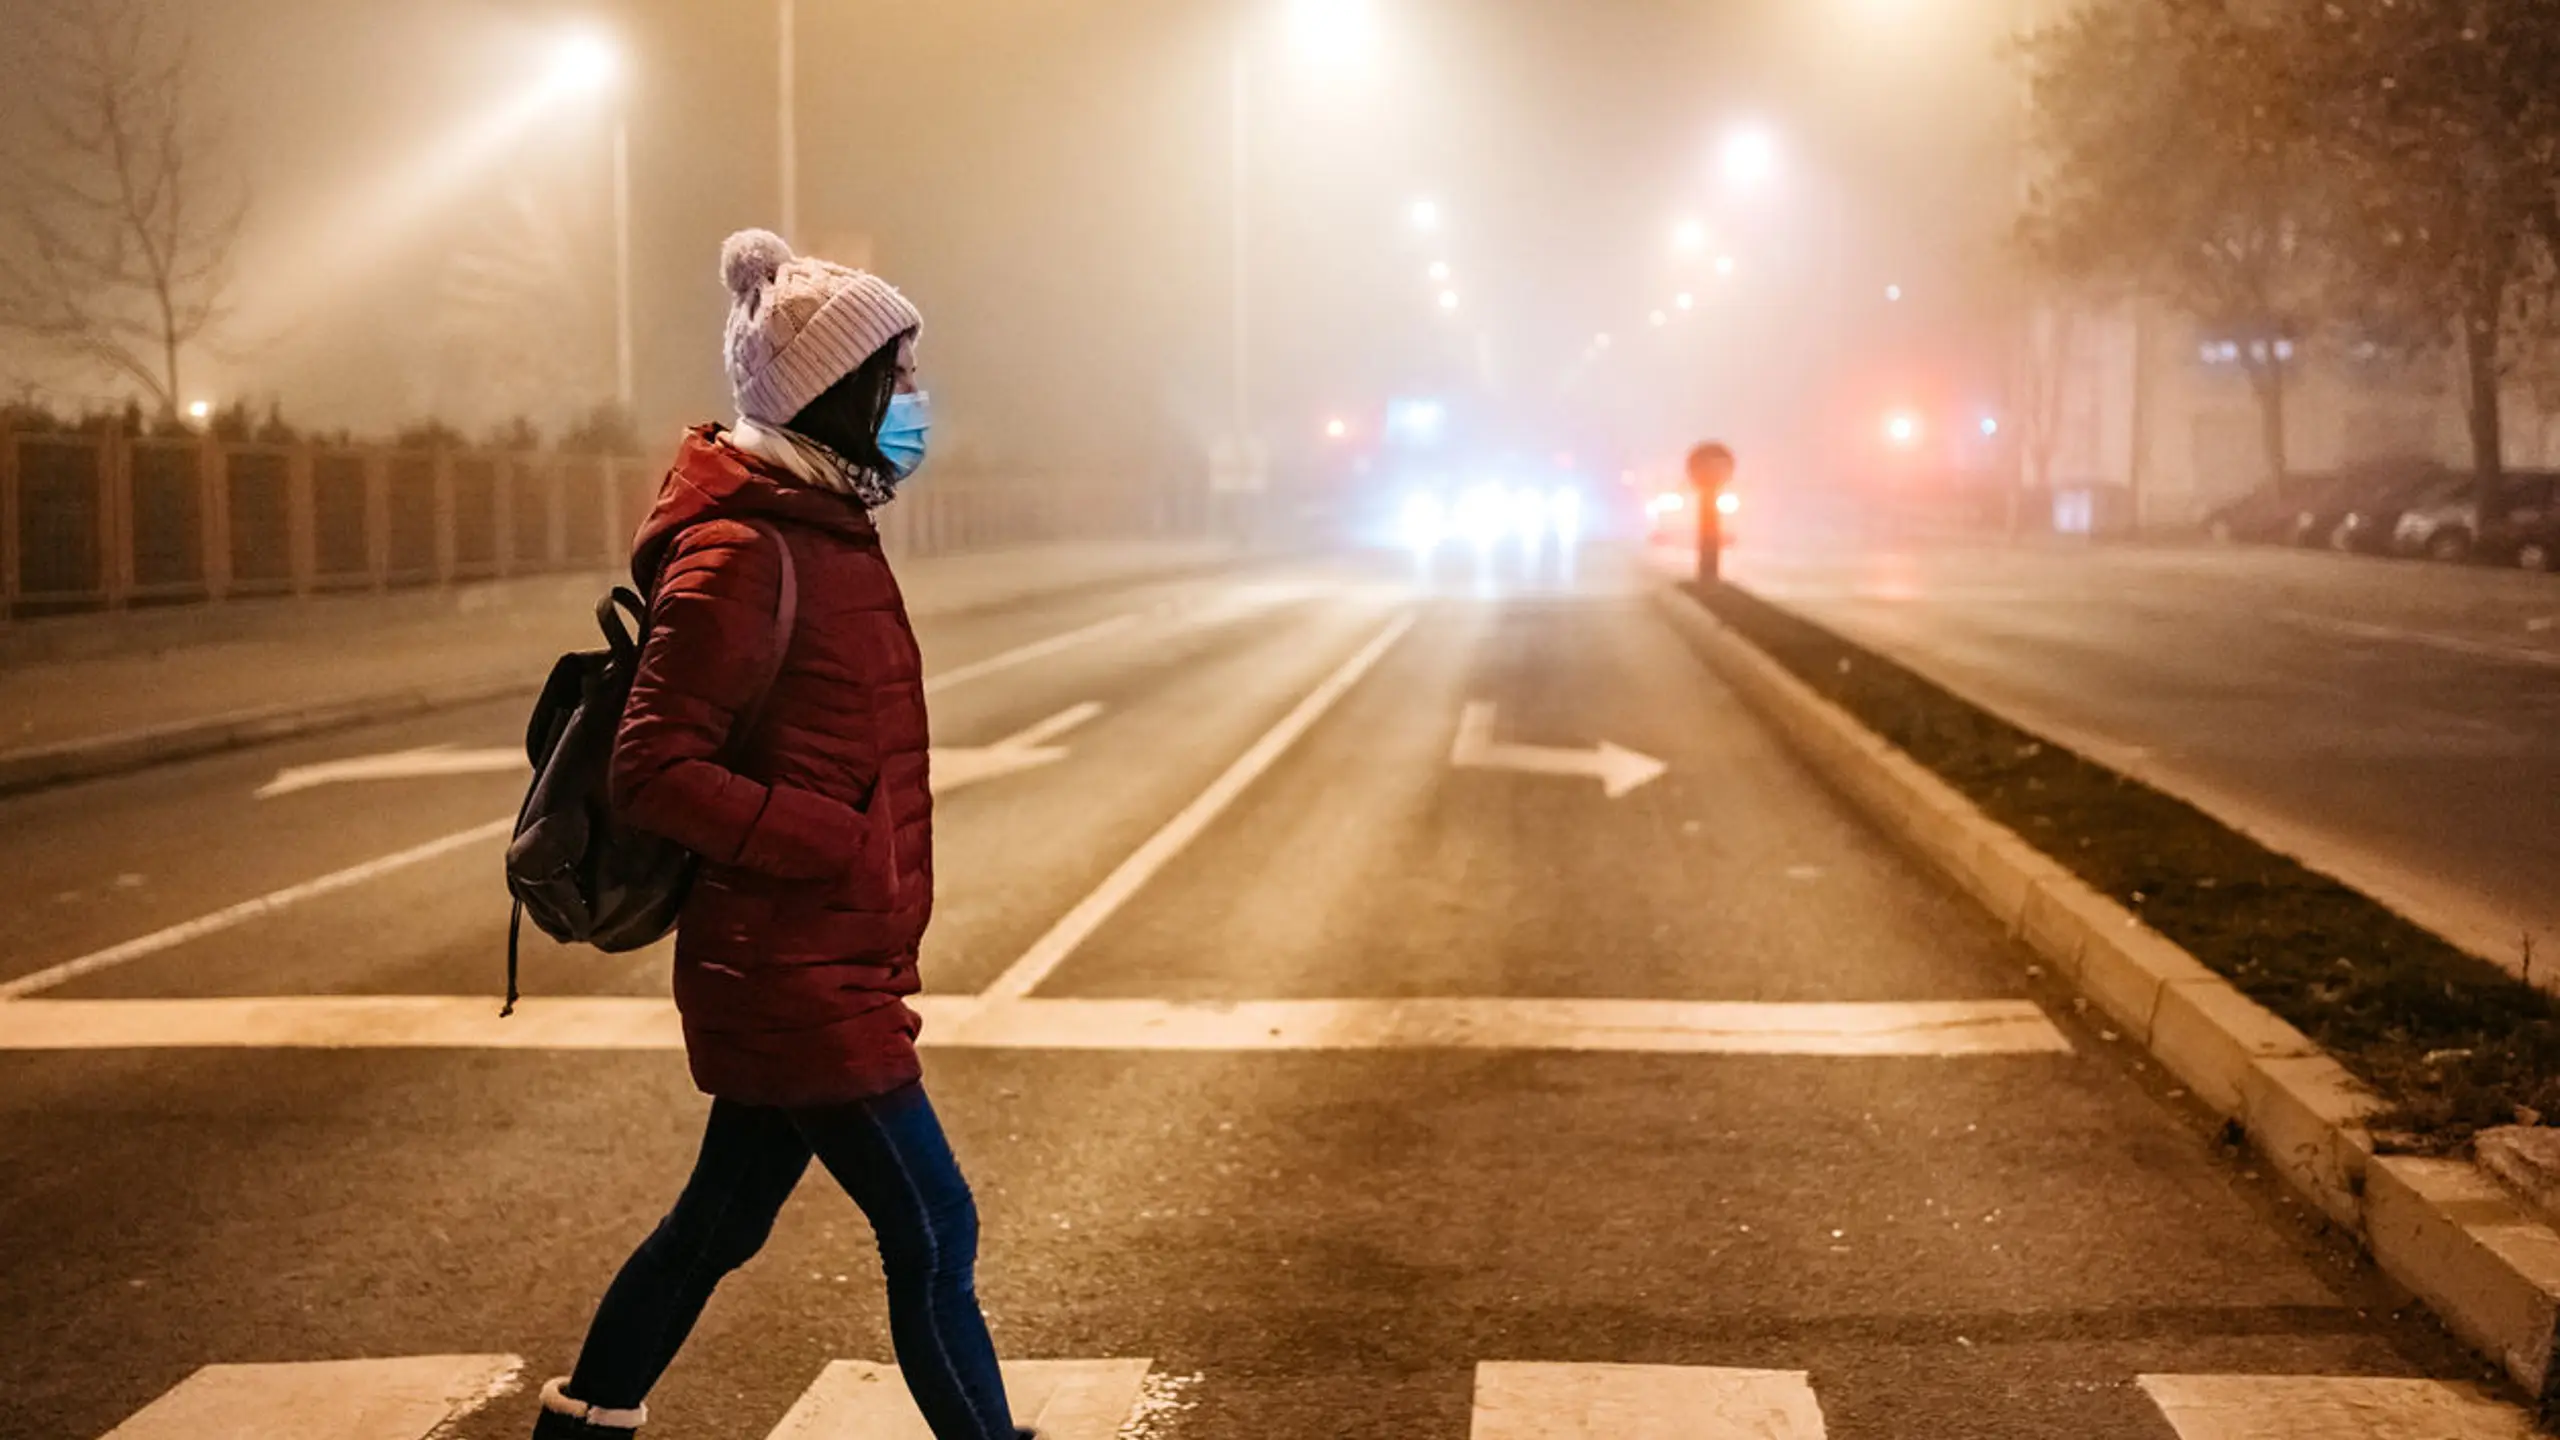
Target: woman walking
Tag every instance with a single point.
(799, 779)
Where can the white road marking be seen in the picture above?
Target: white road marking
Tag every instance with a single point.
(1642, 1402)
(1618, 769)
(1063, 1399)
(940, 681)
(267, 904)
(2450, 644)
(248, 910)
(2303, 1407)
(405, 1399)
(1946, 1028)
(432, 760)
(957, 766)
(1078, 924)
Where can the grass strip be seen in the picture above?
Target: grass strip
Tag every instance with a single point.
(2451, 1041)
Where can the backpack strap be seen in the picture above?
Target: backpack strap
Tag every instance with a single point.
(786, 620)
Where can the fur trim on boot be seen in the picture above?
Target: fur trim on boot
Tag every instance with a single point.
(565, 1419)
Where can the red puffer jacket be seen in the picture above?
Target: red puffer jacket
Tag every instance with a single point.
(798, 944)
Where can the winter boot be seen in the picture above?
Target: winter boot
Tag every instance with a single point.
(565, 1419)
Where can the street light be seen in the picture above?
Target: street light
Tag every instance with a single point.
(1448, 299)
(1750, 156)
(1336, 429)
(1686, 301)
(1688, 237)
(1902, 428)
(1439, 272)
(1724, 266)
(1336, 31)
(1426, 216)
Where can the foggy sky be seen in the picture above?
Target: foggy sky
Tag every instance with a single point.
(1048, 179)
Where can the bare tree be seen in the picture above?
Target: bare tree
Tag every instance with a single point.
(2178, 160)
(118, 239)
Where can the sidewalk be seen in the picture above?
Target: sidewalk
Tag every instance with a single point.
(96, 695)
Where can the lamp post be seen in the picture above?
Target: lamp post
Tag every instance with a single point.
(786, 92)
(625, 385)
(590, 64)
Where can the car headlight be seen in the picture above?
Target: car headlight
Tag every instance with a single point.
(1424, 522)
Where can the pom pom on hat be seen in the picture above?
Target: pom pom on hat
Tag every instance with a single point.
(750, 259)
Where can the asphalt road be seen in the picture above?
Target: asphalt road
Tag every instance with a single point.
(2394, 723)
(1549, 1124)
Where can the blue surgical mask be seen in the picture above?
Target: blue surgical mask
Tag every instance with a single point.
(903, 431)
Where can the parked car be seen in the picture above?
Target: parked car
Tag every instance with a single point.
(2451, 529)
(2528, 535)
(2366, 520)
(2268, 515)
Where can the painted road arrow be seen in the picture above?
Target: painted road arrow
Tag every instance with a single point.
(1618, 769)
(953, 768)
(1029, 750)
(398, 765)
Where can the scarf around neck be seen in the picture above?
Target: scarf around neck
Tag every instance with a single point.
(811, 463)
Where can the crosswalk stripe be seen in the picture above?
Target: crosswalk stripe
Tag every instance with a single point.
(1517, 1401)
(461, 1022)
(1063, 1399)
(2303, 1407)
(408, 1398)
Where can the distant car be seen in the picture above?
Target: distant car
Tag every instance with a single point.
(2532, 547)
(2451, 530)
(2367, 523)
(2528, 535)
(2264, 515)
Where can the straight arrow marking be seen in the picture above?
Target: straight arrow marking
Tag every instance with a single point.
(1029, 749)
(1618, 769)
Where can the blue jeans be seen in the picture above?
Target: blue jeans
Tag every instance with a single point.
(890, 1155)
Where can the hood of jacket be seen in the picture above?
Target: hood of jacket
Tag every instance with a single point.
(713, 480)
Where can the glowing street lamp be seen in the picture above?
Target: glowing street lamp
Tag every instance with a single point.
(1686, 301)
(586, 64)
(1750, 157)
(1334, 31)
(1724, 267)
(200, 411)
(1439, 272)
(1689, 237)
(1893, 293)
(1426, 216)
(1448, 299)
(1657, 319)
(1903, 429)
(1336, 429)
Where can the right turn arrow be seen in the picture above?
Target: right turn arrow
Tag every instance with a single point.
(1618, 769)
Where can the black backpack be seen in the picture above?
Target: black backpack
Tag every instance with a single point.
(584, 876)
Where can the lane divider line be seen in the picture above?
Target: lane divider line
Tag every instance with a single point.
(1077, 925)
(1024, 654)
(251, 909)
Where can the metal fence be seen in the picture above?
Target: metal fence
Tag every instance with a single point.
(106, 522)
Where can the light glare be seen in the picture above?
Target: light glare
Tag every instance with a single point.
(1750, 156)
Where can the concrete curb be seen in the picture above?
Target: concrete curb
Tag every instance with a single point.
(2443, 1228)
(44, 766)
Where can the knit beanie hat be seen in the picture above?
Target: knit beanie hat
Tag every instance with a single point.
(798, 324)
